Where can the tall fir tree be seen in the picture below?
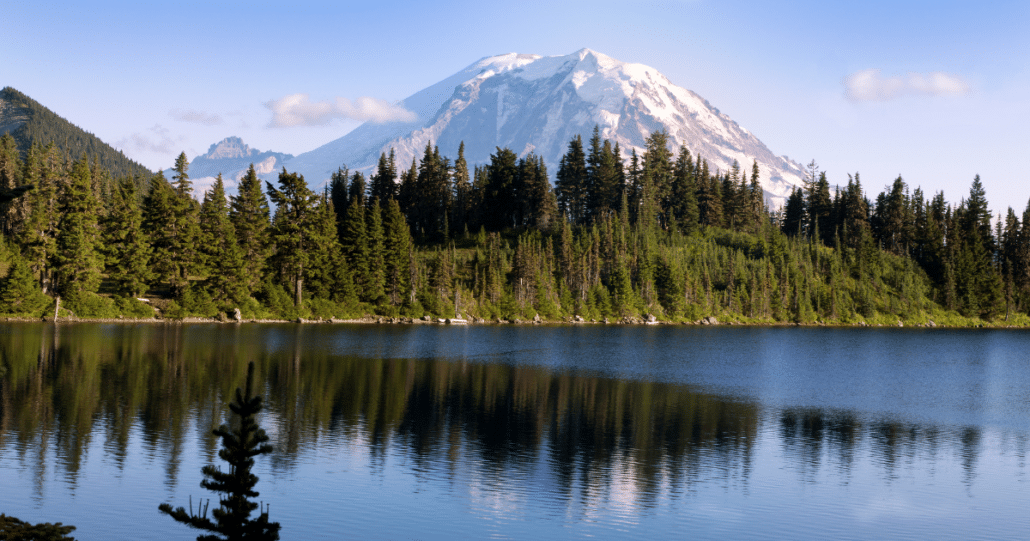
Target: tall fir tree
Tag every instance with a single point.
(397, 244)
(223, 258)
(249, 215)
(375, 288)
(79, 262)
(294, 202)
(126, 243)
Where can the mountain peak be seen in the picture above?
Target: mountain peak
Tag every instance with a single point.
(230, 147)
(532, 103)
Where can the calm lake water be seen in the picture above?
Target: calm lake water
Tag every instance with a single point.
(611, 432)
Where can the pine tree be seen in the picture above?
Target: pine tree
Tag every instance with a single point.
(249, 215)
(684, 193)
(242, 440)
(158, 219)
(571, 184)
(376, 287)
(19, 291)
(223, 258)
(127, 246)
(14, 212)
(183, 248)
(327, 274)
(461, 209)
(45, 169)
(294, 203)
(395, 252)
(383, 184)
(354, 243)
(79, 262)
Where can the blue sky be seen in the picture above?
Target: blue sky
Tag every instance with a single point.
(934, 91)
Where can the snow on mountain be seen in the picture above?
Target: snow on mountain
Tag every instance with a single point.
(530, 103)
(231, 157)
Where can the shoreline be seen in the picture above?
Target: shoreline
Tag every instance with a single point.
(709, 321)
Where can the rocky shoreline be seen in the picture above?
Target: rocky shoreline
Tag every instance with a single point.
(647, 319)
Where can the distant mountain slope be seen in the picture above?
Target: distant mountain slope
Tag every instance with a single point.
(537, 104)
(27, 121)
(232, 157)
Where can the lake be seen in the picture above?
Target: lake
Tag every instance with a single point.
(528, 432)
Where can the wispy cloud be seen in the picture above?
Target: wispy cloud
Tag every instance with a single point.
(157, 139)
(195, 117)
(870, 85)
(299, 110)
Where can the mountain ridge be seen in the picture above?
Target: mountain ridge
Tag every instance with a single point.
(29, 121)
(532, 103)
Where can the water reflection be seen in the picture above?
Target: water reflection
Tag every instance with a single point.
(576, 438)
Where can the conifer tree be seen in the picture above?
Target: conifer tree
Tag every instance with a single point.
(159, 223)
(395, 252)
(44, 167)
(571, 183)
(499, 196)
(14, 212)
(327, 274)
(249, 215)
(354, 243)
(19, 291)
(294, 202)
(794, 214)
(79, 262)
(126, 244)
(338, 195)
(684, 193)
(383, 183)
(242, 440)
(223, 258)
(461, 209)
(757, 198)
(357, 190)
(376, 285)
(183, 249)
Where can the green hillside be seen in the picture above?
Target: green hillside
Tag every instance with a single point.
(29, 121)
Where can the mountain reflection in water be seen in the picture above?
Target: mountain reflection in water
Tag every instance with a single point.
(80, 402)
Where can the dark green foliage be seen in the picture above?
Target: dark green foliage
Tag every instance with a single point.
(499, 193)
(291, 229)
(249, 215)
(327, 276)
(79, 261)
(223, 258)
(375, 287)
(659, 236)
(383, 184)
(12, 529)
(42, 126)
(19, 291)
(126, 244)
(89, 304)
(242, 440)
(396, 253)
(571, 184)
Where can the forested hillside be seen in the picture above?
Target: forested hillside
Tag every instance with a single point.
(619, 239)
(28, 121)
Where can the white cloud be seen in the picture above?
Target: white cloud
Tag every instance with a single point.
(869, 85)
(157, 139)
(299, 110)
(195, 117)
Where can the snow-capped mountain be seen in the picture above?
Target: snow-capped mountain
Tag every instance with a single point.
(231, 157)
(530, 103)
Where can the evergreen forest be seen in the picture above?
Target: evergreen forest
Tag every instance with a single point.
(660, 235)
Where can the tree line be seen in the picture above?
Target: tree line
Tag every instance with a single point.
(660, 233)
